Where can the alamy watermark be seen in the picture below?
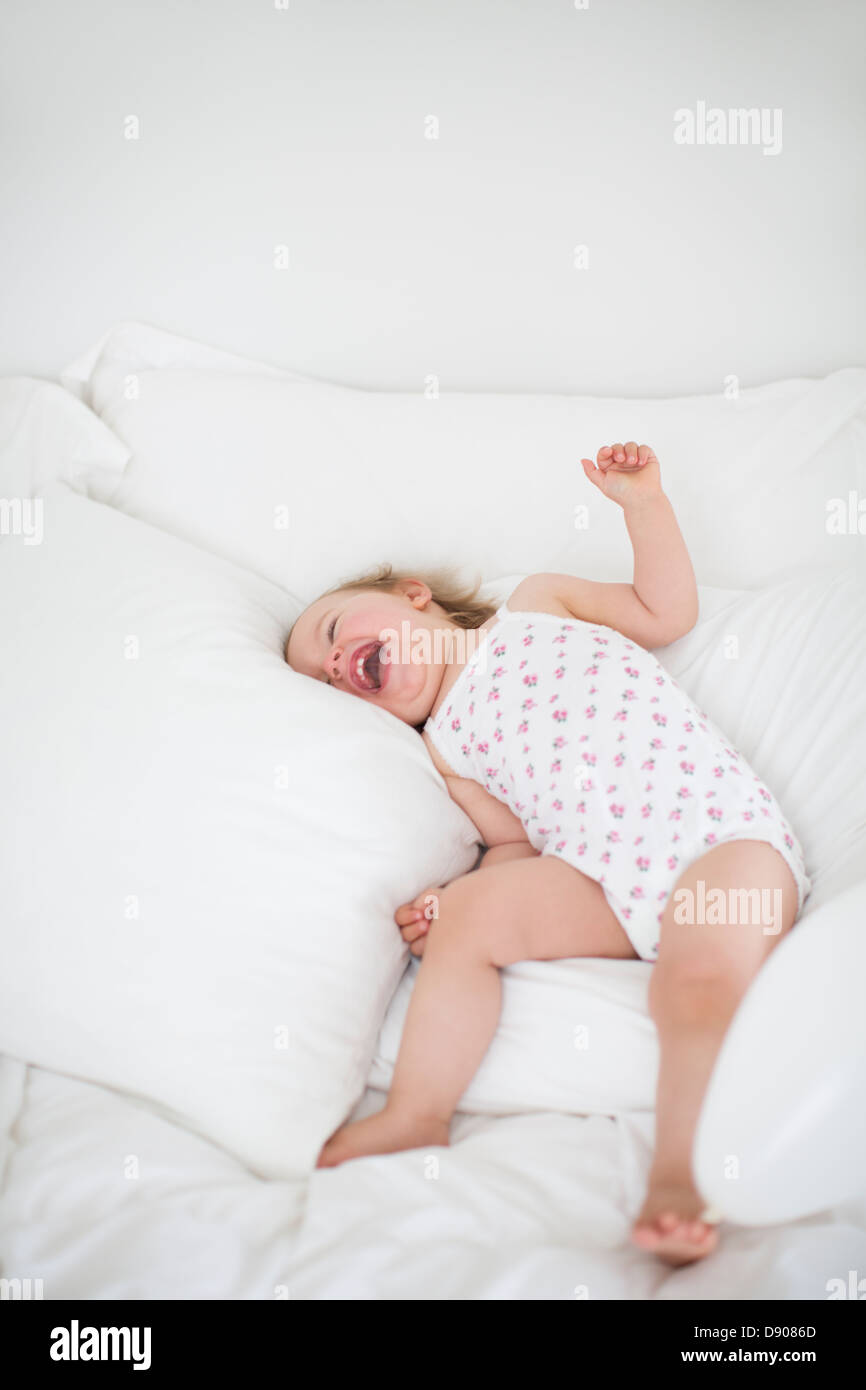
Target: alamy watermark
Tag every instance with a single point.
(853, 1287)
(846, 516)
(21, 1290)
(721, 907)
(737, 126)
(422, 646)
(77, 1343)
(22, 516)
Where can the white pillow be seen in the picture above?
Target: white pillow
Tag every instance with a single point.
(307, 483)
(201, 852)
(573, 1036)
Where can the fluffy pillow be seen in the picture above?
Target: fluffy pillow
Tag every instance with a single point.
(788, 1092)
(201, 851)
(574, 1036)
(306, 482)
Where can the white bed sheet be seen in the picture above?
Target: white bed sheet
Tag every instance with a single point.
(523, 1207)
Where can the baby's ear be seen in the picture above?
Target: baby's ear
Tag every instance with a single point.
(417, 591)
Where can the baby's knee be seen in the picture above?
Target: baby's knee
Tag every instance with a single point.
(457, 895)
(459, 909)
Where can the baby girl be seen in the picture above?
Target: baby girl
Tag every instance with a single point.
(608, 804)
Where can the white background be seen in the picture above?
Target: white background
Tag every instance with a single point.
(305, 127)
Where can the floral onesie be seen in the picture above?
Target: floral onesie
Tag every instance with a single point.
(605, 760)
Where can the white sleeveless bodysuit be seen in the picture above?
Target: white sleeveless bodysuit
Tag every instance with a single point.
(604, 759)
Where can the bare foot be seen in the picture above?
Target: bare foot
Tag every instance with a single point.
(384, 1133)
(670, 1223)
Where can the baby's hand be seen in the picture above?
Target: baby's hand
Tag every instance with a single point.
(414, 919)
(626, 472)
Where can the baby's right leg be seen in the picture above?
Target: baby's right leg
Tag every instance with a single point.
(525, 909)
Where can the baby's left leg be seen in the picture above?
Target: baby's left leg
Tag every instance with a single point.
(522, 909)
(702, 972)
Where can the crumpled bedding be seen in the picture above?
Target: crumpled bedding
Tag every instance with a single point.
(100, 1197)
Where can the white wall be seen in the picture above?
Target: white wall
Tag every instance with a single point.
(409, 256)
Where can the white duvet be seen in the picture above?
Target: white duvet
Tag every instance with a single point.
(520, 1207)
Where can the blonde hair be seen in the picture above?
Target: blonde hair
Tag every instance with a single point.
(459, 600)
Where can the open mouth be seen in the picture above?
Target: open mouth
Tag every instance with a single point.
(365, 669)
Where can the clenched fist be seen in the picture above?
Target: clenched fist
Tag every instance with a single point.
(625, 472)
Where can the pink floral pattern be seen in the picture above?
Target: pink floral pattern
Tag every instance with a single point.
(704, 792)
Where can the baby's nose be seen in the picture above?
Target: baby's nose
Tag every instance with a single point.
(333, 661)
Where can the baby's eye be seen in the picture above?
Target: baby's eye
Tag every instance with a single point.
(331, 626)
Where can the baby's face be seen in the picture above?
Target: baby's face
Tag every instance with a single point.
(339, 639)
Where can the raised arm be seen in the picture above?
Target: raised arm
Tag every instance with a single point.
(661, 603)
